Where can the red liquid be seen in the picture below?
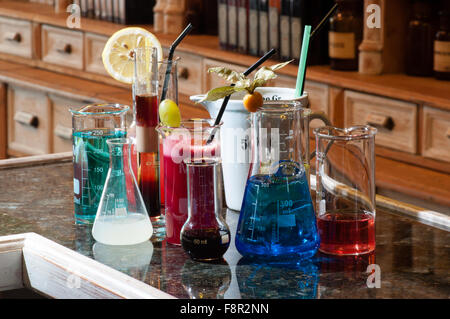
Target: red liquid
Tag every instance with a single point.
(175, 185)
(147, 145)
(346, 233)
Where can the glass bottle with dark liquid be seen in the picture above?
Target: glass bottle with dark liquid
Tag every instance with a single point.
(345, 35)
(442, 47)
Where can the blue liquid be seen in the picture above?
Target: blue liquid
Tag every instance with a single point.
(91, 164)
(277, 218)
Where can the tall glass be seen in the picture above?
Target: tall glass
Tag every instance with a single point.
(345, 189)
(177, 143)
(92, 126)
(168, 74)
(145, 98)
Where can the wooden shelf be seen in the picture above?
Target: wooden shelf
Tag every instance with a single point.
(418, 90)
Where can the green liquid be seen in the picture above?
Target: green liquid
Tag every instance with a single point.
(91, 164)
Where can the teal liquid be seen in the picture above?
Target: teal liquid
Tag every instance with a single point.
(277, 218)
(91, 164)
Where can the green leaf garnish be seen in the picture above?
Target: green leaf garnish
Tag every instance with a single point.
(240, 81)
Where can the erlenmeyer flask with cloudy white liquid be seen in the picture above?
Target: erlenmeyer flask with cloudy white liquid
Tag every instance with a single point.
(122, 218)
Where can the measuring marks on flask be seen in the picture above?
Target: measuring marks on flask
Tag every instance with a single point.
(285, 143)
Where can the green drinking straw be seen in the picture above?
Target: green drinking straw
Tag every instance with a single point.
(302, 65)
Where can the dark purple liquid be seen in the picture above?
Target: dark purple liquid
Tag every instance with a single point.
(205, 244)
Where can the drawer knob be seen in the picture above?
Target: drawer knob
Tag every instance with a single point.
(26, 119)
(66, 49)
(448, 133)
(16, 37)
(183, 74)
(63, 132)
(380, 121)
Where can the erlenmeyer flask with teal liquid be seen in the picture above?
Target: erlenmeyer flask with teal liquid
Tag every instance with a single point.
(277, 217)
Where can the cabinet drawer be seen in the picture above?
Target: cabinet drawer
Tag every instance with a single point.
(189, 74)
(62, 47)
(436, 134)
(16, 37)
(93, 48)
(211, 80)
(395, 120)
(62, 123)
(28, 121)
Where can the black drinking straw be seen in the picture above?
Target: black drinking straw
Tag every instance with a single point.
(316, 29)
(169, 59)
(227, 98)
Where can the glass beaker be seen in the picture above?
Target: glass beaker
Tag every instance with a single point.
(122, 218)
(92, 126)
(345, 189)
(178, 143)
(205, 235)
(145, 99)
(277, 217)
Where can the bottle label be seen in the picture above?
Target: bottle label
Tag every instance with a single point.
(274, 27)
(253, 32)
(341, 45)
(296, 35)
(232, 25)
(263, 32)
(223, 23)
(285, 49)
(243, 28)
(442, 56)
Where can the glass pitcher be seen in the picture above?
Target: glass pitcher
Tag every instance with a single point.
(277, 216)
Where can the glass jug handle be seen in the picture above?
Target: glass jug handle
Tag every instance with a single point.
(318, 116)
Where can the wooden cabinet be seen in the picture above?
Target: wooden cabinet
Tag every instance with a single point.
(436, 134)
(189, 74)
(62, 122)
(395, 120)
(29, 121)
(62, 47)
(16, 37)
(93, 48)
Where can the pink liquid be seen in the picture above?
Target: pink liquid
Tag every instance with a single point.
(175, 185)
(346, 233)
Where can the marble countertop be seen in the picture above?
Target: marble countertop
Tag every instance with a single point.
(413, 258)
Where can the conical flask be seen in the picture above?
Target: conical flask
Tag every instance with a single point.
(122, 218)
(277, 217)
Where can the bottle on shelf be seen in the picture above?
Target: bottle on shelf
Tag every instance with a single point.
(222, 16)
(274, 26)
(253, 27)
(243, 25)
(297, 8)
(419, 40)
(285, 30)
(442, 47)
(345, 35)
(232, 24)
(263, 26)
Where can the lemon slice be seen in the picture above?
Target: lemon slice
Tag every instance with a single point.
(117, 54)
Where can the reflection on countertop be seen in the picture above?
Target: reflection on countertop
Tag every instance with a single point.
(413, 258)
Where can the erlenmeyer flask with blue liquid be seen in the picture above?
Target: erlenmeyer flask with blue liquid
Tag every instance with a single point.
(277, 217)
